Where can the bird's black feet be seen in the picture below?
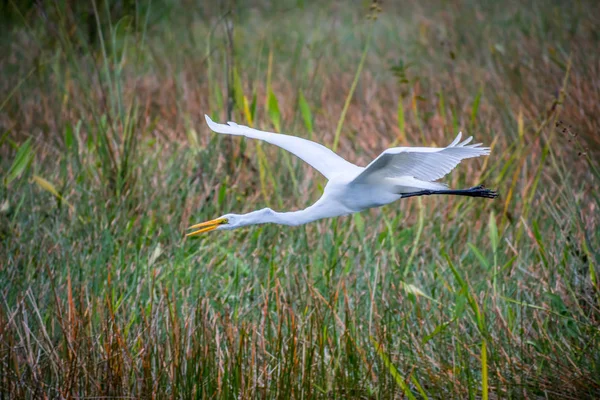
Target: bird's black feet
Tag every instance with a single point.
(481, 191)
(475, 191)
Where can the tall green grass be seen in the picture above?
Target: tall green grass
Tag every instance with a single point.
(105, 159)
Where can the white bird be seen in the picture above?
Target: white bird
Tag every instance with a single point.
(399, 172)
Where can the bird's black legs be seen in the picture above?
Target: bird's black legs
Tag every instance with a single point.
(477, 191)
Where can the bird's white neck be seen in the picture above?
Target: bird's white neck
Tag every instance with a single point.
(266, 216)
(293, 218)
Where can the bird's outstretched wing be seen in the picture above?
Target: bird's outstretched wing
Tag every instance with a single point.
(423, 163)
(318, 156)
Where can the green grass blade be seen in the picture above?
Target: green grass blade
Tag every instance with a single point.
(484, 371)
(22, 160)
(273, 110)
(392, 370)
(482, 259)
(305, 112)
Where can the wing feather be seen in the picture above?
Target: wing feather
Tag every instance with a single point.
(318, 156)
(423, 163)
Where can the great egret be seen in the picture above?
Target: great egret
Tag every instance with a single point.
(397, 173)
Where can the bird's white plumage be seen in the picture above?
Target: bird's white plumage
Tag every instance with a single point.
(422, 163)
(318, 156)
(398, 172)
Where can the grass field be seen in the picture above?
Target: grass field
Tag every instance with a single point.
(105, 159)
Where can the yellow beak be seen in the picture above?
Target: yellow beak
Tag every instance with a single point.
(206, 226)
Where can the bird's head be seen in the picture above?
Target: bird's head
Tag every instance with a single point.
(232, 221)
(225, 222)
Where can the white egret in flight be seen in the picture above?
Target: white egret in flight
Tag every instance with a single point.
(397, 173)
